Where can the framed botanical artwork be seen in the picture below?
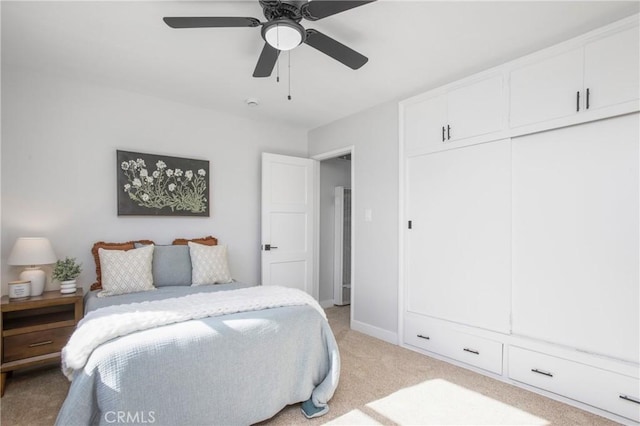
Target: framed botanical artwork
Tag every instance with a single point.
(158, 185)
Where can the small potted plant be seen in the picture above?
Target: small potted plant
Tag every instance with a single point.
(66, 271)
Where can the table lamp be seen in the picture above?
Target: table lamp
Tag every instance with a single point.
(31, 252)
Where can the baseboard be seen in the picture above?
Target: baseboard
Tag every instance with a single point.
(326, 303)
(373, 331)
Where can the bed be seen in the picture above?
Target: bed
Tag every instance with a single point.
(197, 355)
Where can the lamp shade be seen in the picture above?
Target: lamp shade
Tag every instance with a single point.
(32, 251)
(283, 34)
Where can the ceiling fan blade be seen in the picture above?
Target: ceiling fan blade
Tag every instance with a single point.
(266, 62)
(211, 22)
(335, 49)
(318, 9)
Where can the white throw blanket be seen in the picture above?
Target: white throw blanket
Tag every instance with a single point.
(107, 323)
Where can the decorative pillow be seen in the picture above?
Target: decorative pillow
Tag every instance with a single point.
(126, 271)
(209, 264)
(129, 245)
(207, 241)
(171, 265)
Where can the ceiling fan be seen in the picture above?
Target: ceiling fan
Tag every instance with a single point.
(282, 30)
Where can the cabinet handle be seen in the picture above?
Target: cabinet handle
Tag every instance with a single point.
(443, 134)
(578, 101)
(448, 132)
(424, 337)
(629, 398)
(46, 342)
(587, 98)
(544, 373)
(471, 351)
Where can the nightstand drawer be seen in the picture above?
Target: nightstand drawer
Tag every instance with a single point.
(27, 345)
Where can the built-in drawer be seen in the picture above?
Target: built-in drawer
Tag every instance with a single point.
(27, 345)
(609, 391)
(443, 339)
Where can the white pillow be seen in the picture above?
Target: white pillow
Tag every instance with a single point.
(126, 271)
(208, 264)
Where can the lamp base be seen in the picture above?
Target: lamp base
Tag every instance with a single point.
(37, 278)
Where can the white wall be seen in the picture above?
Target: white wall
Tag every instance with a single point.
(59, 141)
(333, 172)
(374, 134)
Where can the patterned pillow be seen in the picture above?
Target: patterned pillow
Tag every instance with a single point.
(208, 264)
(126, 271)
(129, 245)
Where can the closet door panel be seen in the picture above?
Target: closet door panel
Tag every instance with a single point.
(546, 89)
(458, 249)
(476, 109)
(612, 69)
(575, 237)
(423, 124)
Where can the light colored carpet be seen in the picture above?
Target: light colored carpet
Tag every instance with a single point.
(380, 384)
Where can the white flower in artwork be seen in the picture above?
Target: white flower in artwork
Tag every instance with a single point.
(125, 165)
(144, 173)
(178, 172)
(145, 197)
(172, 187)
(161, 164)
(188, 174)
(149, 179)
(136, 182)
(169, 172)
(201, 172)
(127, 187)
(140, 162)
(156, 174)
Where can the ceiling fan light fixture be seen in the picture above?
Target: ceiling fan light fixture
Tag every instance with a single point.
(283, 34)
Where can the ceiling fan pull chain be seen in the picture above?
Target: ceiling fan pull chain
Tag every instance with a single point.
(278, 59)
(289, 57)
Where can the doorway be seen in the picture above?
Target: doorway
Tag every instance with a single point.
(335, 233)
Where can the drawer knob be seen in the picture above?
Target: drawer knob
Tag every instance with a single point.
(471, 351)
(424, 337)
(544, 373)
(630, 398)
(46, 342)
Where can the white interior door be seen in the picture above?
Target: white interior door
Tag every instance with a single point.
(288, 218)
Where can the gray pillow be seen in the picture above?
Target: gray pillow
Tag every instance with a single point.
(171, 265)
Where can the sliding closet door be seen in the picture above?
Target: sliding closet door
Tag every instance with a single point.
(458, 247)
(575, 237)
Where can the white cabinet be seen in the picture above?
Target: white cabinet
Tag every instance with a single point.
(441, 121)
(459, 244)
(613, 392)
(576, 256)
(600, 74)
(445, 339)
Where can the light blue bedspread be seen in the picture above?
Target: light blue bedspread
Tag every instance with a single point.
(236, 369)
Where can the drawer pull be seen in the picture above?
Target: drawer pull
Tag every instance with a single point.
(629, 398)
(471, 351)
(46, 342)
(544, 373)
(424, 337)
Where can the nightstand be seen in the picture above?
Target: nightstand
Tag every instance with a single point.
(35, 330)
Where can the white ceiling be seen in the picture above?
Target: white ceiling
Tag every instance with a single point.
(412, 46)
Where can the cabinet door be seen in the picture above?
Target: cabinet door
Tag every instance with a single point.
(476, 109)
(458, 250)
(575, 237)
(423, 123)
(546, 89)
(611, 72)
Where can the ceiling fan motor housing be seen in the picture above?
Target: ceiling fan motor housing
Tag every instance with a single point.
(289, 9)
